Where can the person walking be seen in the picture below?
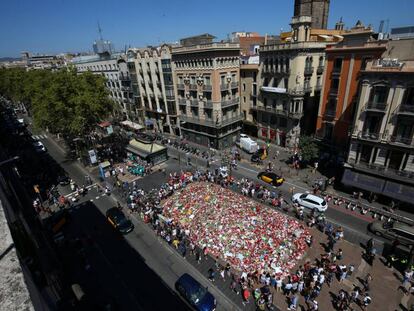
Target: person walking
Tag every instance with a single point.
(366, 301)
(211, 274)
(293, 302)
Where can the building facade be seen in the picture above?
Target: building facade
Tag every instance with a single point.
(317, 9)
(290, 83)
(249, 76)
(207, 80)
(153, 88)
(344, 61)
(381, 153)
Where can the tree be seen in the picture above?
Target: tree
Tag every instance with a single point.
(308, 148)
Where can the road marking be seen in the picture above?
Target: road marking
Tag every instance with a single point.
(35, 137)
(91, 200)
(97, 198)
(75, 192)
(102, 195)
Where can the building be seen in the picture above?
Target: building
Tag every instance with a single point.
(207, 92)
(205, 38)
(402, 32)
(317, 9)
(291, 81)
(113, 67)
(249, 42)
(153, 88)
(381, 153)
(344, 61)
(41, 61)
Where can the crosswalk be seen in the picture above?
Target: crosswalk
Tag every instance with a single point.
(38, 137)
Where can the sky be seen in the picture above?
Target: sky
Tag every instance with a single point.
(55, 26)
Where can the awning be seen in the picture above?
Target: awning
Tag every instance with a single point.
(132, 125)
(365, 182)
(270, 89)
(143, 149)
(324, 36)
(399, 191)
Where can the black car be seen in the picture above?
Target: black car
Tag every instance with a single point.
(118, 220)
(259, 156)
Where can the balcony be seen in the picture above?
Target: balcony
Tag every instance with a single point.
(401, 140)
(330, 113)
(231, 102)
(182, 101)
(194, 103)
(307, 88)
(180, 86)
(170, 97)
(308, 71)
(295, 114)
(271, 109)
(385, 172)
(123, 77)
(229, 120)
(235, 85)
(373, 136)
(375, 107)
(211, 122)
(193, 87)
(318, 87)
(298, 91)
(207, 87)
(224, 87)
(336, 70)
(208, 104)
(406, 110)
(320, 69)
(333, 92)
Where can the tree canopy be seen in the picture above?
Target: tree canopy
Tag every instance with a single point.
(308, 149)
(61, 101)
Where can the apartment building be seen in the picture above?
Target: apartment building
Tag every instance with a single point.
(381, 153)
(153, 88)
(291, 75)
(341, 84)
(249, 75)
(207, 79)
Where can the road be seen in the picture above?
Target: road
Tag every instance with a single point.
(143, 268)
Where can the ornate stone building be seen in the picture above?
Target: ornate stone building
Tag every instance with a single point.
(207, 79)
(317, 9)
(381, 154)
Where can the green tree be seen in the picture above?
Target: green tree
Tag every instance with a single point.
(308, 149)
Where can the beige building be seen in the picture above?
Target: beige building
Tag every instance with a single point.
(153, 88)
(381, 154)
(291, 81)
(249, 75)
(207, 80)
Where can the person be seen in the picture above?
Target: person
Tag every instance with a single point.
(293, 303)
(366, 301)
(211, 274)
(366, 282)
(246, 295)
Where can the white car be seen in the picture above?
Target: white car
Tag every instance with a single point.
(223, 172)
(310, 201)
(39, 146)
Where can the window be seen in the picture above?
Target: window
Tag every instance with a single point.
(244, 86)
(337, 65)
(254, 76)
(207, 81)
(335, 84)
(409, 97)
(244, 99)
(379, 94)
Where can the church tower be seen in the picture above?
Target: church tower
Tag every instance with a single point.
(317, 9)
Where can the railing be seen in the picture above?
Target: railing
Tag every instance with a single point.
(208, 104)
(386, 172)
(375, 106)
(318, 87)
(308, 70)
(296, 92)
(320, 69)
(234, 85)
(402, 140)
(194, 102)
(295, 114)
(224, 87)
(180, 86)
(227, 103)
(406, 109)
(375, 136)
(333, 92)
(228, 120)
(193, 87)
(330, 112)
(307, 88)
(207, 87)
(271, 110)
(170, 97)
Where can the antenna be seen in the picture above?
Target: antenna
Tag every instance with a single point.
(100, 31)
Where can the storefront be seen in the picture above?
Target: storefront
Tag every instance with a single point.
(148, 151)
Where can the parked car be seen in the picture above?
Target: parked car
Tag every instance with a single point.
(310, 201)
(271, 178)
(39, 147)
(195, 294)
(118, 220)
(393, 231)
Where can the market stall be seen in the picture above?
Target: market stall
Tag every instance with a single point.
(148, 151)
(240, 231)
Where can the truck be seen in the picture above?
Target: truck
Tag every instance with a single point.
(247, 144)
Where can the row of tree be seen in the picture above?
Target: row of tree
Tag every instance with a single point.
(59, 101)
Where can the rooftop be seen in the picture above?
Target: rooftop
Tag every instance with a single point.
(205, 47)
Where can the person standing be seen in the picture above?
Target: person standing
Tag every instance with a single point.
(211, 274)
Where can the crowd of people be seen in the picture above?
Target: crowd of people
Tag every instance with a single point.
(257, 287)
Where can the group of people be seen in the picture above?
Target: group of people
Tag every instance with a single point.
(255, 285)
